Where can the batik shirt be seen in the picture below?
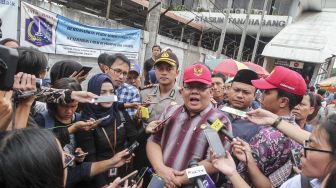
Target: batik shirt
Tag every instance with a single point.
(272, 152)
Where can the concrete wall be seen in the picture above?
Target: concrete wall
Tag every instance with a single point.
(186, 53)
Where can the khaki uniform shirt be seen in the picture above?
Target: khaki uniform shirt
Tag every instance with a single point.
(161, 103)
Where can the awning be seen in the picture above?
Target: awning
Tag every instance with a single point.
(312, 38)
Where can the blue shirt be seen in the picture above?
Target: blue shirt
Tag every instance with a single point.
(242, 128)
(128, 94)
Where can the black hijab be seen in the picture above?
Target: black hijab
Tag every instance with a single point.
(63, 69)
(98, 111)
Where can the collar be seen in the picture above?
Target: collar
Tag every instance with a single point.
(315, 182)
(173, 90)
(201, 113)
(290, 119)
(118, 87)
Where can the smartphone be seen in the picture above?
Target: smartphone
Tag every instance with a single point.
(98, 121)
(129, 176)
(8, 64)
(234, 111)
(147, 103)
(81, 154)
(85, 70)
(38, 82)
(164, 121)
(140, 175)
(215, 142)
(100, 99)
(156, 182)
(296, 156)
(132, 147)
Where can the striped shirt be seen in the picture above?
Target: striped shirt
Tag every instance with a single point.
(182, 137)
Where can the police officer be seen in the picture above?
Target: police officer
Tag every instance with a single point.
(166, 92)
(158, 97)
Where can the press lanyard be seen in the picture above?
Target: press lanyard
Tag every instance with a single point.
(113, 147)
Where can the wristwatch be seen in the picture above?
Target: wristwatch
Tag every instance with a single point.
(276, 122)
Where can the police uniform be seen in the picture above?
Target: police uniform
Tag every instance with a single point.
(152, 94)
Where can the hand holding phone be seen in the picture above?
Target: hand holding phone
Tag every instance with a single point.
(132, 147)
(129, 176)
(140, 175)
(83, 71)
(296, 157)
(81, 154)
(215, 142)
(98, 121)
(100, 99)
(154, 126)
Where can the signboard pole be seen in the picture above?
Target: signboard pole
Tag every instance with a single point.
(259, 31)
(222, 37)
(108, 9)
(242, 40)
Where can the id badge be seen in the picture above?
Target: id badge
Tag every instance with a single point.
(112, 172)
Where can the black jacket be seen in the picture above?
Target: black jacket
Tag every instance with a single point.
(96, 144)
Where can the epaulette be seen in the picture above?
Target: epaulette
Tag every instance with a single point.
(148, 86)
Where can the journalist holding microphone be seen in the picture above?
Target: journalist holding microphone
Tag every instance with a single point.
(182, 138)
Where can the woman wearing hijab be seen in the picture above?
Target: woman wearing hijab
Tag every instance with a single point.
(112, 135)
(66, 69)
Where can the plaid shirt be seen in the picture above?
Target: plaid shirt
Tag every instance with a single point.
(128, 94)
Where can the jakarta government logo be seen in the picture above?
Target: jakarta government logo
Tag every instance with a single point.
(38, 31)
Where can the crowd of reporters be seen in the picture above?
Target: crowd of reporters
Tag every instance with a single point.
(51, 135)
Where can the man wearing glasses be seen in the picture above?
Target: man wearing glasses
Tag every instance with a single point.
(181, 138)
(117, 67)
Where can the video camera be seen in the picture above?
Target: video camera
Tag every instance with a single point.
(8, 64)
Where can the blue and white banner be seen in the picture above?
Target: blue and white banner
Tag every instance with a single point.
(8, 18)
(69, 37)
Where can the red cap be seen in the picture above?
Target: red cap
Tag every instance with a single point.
(284, 79)
(197, 73)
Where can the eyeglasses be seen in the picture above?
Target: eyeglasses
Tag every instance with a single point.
(119, 72)
(307, 148)
(68, 160)
(197, 87)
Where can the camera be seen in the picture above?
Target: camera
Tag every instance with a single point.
(8, 64)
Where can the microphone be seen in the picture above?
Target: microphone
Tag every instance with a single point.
(227, 134)
(196, 173)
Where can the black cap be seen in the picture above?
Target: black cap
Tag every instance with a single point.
(245, 76)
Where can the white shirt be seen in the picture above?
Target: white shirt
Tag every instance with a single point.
(295, 182)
